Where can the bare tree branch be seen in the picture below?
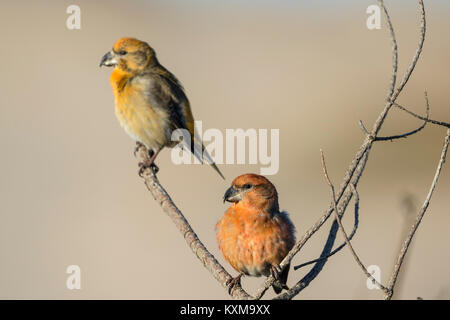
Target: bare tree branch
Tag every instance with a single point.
(341, 227)
(314, 272)
(416, 57)
(344, 196)
(197, 247)
(419, 217)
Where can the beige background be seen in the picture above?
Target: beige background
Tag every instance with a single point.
(69, 192)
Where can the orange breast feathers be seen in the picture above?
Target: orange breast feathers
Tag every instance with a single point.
(252, 240)
(139, 119)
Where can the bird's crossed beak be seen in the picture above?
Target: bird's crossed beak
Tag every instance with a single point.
(109, 59)
(232, 195)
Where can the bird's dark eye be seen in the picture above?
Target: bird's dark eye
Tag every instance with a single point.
(122, 52)
(246, 186)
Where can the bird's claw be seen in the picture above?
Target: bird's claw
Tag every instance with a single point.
(233, 283)
(144, 166)
(275, 271)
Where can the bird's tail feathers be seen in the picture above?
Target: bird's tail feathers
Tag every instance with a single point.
(198, 150)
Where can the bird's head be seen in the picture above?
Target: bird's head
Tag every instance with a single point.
(253, 190)
(129, 55)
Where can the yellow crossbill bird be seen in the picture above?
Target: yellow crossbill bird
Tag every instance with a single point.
(150, 102)
(253, 235)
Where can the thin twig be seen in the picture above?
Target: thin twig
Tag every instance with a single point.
(355, 228)
(363, 128)
(341, 227)
(423, 26)
(200, 251)
(394, 51)
(440, 123)
(403, 135)
(419, 217)
(314, 272)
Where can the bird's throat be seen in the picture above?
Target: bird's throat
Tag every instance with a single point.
(119, 79)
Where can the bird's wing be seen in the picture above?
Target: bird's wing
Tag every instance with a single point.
(180, 114)
(170, 96)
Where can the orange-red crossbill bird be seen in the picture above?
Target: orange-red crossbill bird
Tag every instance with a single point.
(150, 102)
(254, 236)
